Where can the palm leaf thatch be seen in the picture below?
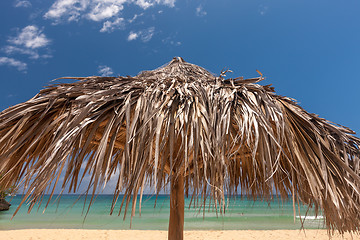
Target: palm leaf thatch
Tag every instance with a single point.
(179, 121)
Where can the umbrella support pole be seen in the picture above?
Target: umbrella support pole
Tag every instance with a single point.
(176, 221)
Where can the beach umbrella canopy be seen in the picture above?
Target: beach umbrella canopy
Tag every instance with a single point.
(179, 125)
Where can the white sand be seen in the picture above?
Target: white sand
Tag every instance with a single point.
(72, 234)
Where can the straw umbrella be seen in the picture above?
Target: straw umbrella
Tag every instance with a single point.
(206, 136)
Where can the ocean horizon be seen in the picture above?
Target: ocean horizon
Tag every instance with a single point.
(241, 214)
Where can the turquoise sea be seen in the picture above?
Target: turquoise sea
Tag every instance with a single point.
(240, 214)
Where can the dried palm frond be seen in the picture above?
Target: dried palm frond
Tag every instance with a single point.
(221, 135)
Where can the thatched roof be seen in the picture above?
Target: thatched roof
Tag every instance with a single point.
(223, 135)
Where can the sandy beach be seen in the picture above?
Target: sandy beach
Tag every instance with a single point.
(75, 234)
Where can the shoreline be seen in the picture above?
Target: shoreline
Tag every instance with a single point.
(85, 234)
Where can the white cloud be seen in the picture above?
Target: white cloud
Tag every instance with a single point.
(21, 66)
(24, 3)
(145, 35)
(149, 3)
(105, 71)
(30, 37)
(132, 36)
(10, 50)
(32, 53)
(200, 12)
(144, 4)
(70, 9)
(105, 9)
(97, 10)
(170, 3)
(110, 26)
(30, 41)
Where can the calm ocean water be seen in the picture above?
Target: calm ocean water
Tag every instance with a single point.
(240, 214)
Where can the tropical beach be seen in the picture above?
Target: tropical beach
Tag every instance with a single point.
(143, 131)
(167, 119)
(257, 220)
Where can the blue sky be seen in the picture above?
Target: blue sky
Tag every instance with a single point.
(309, 50)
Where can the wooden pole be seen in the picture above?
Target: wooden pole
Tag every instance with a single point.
(176, 221)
